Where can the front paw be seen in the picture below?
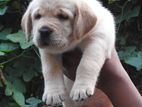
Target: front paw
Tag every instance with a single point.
(54, 97)
(81, 92)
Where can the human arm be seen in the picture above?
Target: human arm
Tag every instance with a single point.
(113, 80)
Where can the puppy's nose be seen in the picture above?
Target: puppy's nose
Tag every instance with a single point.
(45, 31)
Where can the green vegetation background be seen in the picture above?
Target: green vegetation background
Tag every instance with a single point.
(21, 81)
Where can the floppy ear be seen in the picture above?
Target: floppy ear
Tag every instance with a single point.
(84, 21)
(26, 24)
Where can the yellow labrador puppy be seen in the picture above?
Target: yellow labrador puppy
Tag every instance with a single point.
(57, 26)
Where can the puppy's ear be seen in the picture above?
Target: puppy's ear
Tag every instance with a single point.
(84, 21)
(26, 24)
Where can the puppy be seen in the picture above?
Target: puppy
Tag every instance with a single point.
(57, 26)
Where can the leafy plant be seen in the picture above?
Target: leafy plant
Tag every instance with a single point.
(19, 64)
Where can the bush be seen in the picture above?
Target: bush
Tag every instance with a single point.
(19, 60)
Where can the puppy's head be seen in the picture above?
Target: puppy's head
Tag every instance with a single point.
(57, 25)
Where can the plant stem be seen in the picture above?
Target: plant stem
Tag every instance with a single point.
(2, 78)
(9, 60)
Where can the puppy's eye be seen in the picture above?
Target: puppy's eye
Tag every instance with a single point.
(37, 16)
(62, 17)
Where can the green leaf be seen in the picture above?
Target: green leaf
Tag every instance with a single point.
(32, 71)
(13, 104)
(4, 1)
(8, 47)
(131, 57)
(135, 61)
(9, 89)
(19, 98)
(23, 67)
(2, 53)
(19, 85)
(128, 13)
(33, 101)
(3, 10)
(4, 33)
(19, 38)
(27, 76)
(132, 13)
(127, 52)
(27, 106)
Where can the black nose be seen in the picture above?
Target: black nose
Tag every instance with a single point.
(45, 31)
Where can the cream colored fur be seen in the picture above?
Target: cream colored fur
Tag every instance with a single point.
(89, 26)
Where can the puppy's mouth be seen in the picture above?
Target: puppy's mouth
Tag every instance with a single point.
(50, 44)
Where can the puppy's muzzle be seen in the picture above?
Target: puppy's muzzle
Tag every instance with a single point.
(45, 35)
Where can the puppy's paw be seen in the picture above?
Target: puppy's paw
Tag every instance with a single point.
(81, 92)
(54, 97)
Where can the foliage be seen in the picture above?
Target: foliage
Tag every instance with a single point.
(19, 60)
(128, 15)
(19, 64)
